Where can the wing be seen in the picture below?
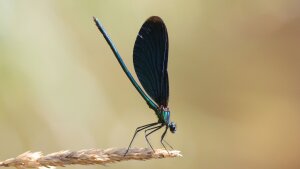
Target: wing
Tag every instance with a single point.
(150, 58)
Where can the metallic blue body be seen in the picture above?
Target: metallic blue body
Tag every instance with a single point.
(166, 116)
(150, 62)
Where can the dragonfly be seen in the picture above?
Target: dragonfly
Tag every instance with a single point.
(150, 58)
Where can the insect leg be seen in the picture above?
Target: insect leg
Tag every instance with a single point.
(138, 130)
(153, 130)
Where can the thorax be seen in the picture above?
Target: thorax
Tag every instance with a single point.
(163, 114)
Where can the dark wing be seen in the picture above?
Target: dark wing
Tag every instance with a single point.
(150, 58)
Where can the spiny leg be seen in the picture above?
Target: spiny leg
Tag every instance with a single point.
(138, 130)
(162, 138)
(153, 130)
(154, 127)
(168, 144)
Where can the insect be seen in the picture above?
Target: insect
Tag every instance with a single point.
(150, 58)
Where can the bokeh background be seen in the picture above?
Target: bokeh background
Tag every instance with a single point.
(233, 67)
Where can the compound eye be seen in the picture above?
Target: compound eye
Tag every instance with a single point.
(172, 127)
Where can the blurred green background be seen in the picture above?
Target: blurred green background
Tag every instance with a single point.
(233, 68)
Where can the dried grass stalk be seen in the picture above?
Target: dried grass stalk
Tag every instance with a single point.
(85, 157)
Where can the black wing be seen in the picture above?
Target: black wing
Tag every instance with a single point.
(150, 58)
